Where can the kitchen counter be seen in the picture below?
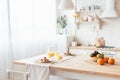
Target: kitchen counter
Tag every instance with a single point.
(94, 48)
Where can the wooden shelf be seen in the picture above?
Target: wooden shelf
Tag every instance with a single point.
(90, 16)
(87, 22)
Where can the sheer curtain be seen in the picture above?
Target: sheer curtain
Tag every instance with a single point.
(32, 26)
(27, 28)
(5, 50)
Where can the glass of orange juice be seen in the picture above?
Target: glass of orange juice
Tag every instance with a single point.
(56, 53)
(51, 54)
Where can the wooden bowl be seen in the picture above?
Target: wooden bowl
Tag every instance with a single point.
(94, 59)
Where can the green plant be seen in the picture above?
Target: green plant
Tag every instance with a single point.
(62, 20)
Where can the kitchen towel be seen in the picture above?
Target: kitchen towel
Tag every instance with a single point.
(38, 72)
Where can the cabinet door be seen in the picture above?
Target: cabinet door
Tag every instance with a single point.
(118, 54)
(80, 51)
(110, 53)
(87, 52)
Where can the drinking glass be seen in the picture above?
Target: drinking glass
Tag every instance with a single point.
(50, 53)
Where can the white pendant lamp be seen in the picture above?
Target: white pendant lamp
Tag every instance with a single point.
(66, 4)
(109, 11)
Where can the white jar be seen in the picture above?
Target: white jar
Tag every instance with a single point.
(74, 44)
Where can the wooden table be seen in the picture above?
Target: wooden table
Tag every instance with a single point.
(81, 67)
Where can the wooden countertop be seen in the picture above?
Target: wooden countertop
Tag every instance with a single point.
(81, 64)
(94, 48)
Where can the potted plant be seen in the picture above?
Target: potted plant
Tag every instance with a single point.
(62, 21)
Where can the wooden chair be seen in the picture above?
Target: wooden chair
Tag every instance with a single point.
(17, 75)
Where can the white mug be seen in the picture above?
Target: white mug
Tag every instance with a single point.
(74, 44)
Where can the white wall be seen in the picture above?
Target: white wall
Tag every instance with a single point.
(85, 34)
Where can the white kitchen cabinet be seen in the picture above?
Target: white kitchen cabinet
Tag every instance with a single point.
(86, 50)
(80, 51)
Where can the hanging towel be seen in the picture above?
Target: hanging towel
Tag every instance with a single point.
(38, 72)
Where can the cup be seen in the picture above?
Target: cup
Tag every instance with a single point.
(74, 44)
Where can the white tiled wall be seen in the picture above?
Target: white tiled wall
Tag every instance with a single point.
(85, 34)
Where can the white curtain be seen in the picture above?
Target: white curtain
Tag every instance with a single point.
(32, 26)
(5, 50)
(27, 28)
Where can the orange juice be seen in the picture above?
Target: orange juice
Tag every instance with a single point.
(51, 54)
(56, 53)
(59, 57)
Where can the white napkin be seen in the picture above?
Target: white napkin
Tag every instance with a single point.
(38, 72)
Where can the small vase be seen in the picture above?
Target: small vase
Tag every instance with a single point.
(63, 31)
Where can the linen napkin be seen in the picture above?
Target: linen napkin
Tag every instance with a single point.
(38, 72)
